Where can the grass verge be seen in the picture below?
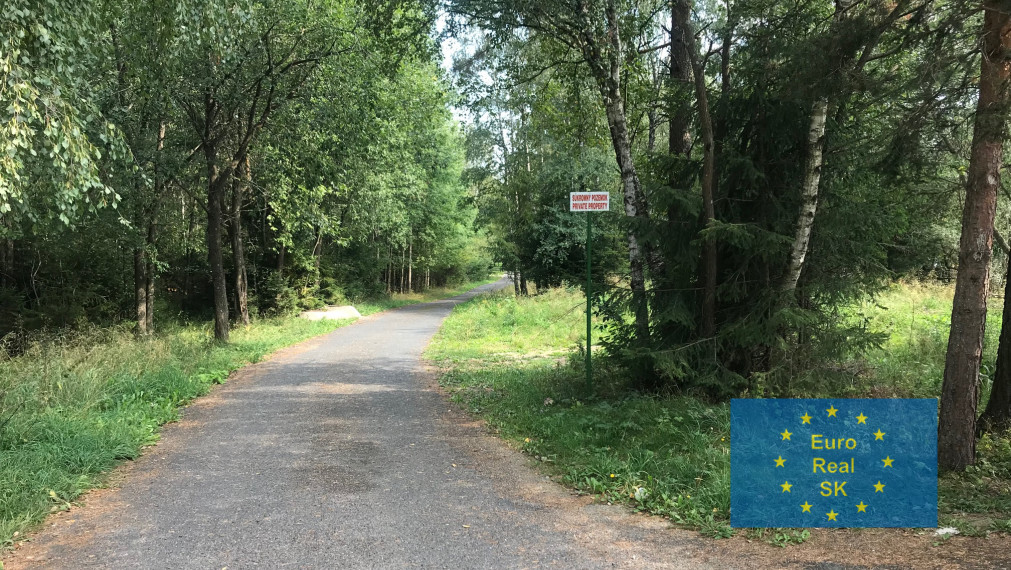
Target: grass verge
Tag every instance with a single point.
(434, 294)
(515, 362)
(74, 406)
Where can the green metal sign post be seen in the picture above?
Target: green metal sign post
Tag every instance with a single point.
(589, 308)
(589, 202)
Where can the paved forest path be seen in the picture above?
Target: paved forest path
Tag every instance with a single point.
(341, 453)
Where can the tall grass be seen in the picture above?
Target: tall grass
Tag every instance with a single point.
(503, 325)
(916, 318)
(79, 403)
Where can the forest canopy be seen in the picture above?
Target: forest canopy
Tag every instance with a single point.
(223, 158)
(771, 166)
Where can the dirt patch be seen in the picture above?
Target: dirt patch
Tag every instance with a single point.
(876, 548)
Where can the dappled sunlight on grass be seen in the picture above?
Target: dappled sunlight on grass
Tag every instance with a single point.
(916, 318)
(503, 324)
(670, 455)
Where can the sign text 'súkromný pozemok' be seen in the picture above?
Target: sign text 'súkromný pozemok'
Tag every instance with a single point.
(589, 201)
(833, 463)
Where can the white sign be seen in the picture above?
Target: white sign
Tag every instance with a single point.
(589, 201)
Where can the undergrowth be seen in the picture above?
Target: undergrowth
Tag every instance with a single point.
(403, 299)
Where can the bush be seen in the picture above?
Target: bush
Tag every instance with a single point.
(331, 293)
(277, 297)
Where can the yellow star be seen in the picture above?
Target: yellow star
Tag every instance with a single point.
(831, 515)
(879, 487)
(780, 461)
(806, 507)
(831, 411)
(786, 434)
(786, 486)
(887, 461)
(805, 418)
(861, 419)
(879, 435)
(861, 508)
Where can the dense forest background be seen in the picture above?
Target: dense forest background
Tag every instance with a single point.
(223, 158)
(772, 165)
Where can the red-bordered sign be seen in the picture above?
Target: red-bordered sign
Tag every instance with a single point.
(589, 201)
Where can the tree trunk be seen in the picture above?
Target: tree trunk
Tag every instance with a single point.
(682, 16)
(389, 271)
(808, 199)
(630, 186)
(653, 120)
(402, 258)
(410, 266)
(997, 415)
(190, 226)
(721, 123)
(607, 73)
(238, 249)
(280, 261)
(216, 184)
(140, 290)
(679, 137)
(630, 182)
(317, 254)
(816, 142)
(152, 225)
(679, 141)
(8, 263)
(956, 437)
(152, 229)
(523, 285)
(728, 36)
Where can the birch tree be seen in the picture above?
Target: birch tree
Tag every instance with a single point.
(598, 32)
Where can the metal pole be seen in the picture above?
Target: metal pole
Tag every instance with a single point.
(589, 343)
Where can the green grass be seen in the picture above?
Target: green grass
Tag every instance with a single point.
(81, 402)
(507, 359)
(403, 299)
(916, 318)
(501, 325)
(516, 363)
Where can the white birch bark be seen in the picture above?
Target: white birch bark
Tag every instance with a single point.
(809, 196)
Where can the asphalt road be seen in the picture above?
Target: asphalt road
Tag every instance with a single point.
(341, 453)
